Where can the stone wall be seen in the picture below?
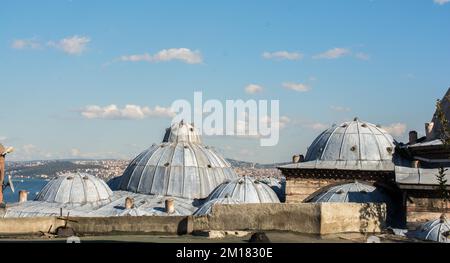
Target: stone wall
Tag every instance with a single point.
(420, 208)
(311, 218)
(298, 189)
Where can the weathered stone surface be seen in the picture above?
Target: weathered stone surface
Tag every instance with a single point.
(298, 189)
(352, 217)
(312, 218)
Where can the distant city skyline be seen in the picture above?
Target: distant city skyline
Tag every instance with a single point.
(95, 79)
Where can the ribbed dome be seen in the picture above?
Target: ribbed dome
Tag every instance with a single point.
(355, 192)
(245, 190)
(206, 208)
(182, 132)
(435, 230)
(352, 141)
(76, 189)
(354, 145)
(181, 167)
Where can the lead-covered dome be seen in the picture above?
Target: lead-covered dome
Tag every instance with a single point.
(435, 230)
(355, 192)
(354, 145)
(182, 132)
(76, 189)
(245, 190)
(206, 208)
(180, 166)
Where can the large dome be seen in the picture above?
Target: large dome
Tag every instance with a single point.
(181, 167)
(245, 190)
(354, 145)
(76, 189)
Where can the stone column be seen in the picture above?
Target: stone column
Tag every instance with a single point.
(129, 203)
(23, 196)
(170, 206)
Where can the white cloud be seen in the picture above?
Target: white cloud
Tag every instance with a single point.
(441, 2)
(334, 53)
(25, 44)
(282, 122)
(183, 54)
(282, 55)
(3, 138)
(253, 89)
(363, 56)
(74, 45)
(340, 108)
(297, 86)
(317, 126)
(396, 129)
(129, 112)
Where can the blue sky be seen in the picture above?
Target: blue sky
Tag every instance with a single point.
(326, 61)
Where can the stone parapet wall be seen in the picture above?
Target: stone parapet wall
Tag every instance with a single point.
(319, 218)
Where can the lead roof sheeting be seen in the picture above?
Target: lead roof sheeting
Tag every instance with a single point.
(245, 190)
(354, 145)
(144, 205)
(182, 169)
(417, 176)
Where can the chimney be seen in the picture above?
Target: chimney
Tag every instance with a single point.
(429, 130)
(412, 137)
(23, 196)
(129, 203)
(170, 206)
(298, 158)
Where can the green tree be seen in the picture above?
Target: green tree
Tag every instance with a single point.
(445, 137)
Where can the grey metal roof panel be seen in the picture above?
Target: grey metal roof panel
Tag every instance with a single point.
(145, 205)
(437, 142)
(245, 190)
(343, 165)
(417, 176)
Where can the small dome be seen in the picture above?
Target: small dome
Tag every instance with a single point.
(245, 190)
(76, 189)
(352, 141)
(350, 193)
(182, 169)
(182, 132)
(206, 208)
(435, 230)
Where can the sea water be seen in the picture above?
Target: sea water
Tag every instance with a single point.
(32, 185)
